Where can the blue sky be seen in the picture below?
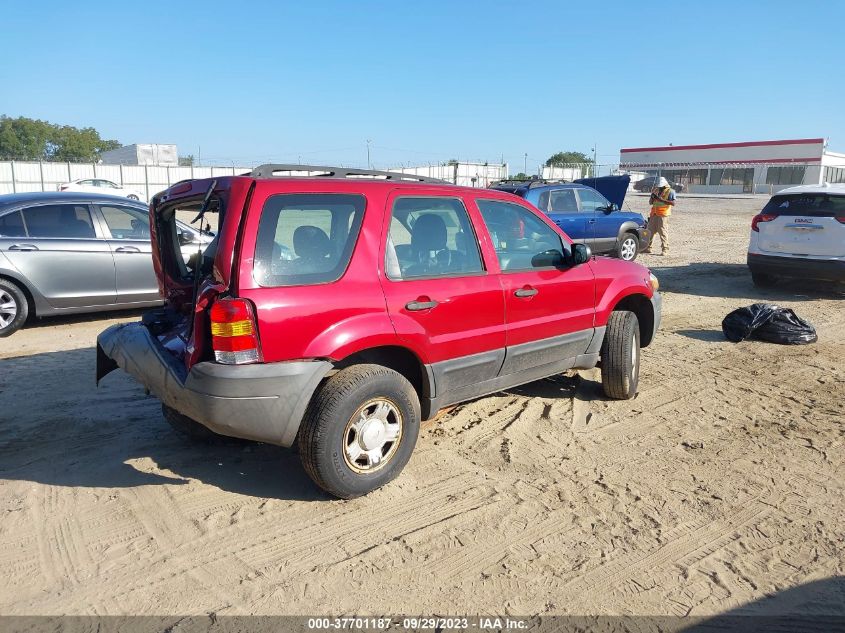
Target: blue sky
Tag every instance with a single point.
(426, 81)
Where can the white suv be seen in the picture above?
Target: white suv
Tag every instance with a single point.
(800, 233)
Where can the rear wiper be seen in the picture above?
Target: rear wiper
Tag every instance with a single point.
(205, 203)
(198, 264)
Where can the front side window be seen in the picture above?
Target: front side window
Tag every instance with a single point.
(306, 239)
(563, 201)
(592, 200)
(59, 220)
(431, 237)
(126, 223)
(11, 225)
(518, 235)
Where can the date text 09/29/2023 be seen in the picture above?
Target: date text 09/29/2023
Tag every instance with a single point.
(417, 623)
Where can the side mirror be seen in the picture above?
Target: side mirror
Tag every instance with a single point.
(186, 238)
(581, 254)
(546, 259)
(611, 208)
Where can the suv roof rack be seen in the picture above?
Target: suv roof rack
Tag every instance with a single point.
(531, 182)
(271, 170)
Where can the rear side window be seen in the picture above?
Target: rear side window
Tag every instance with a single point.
(59, 220)
(818, 204)
(430, 237)
(11, 225)
(306, 239)
(563, 201)
(126, 223)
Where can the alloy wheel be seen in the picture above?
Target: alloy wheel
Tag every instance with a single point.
(628, 250)
(8, 309)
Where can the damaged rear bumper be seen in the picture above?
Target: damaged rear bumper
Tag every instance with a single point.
(262, 402)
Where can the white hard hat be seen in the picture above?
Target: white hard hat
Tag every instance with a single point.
(662, 182)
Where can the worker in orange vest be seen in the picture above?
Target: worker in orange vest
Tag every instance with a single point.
(662, 200)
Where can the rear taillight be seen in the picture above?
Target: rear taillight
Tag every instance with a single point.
(840, 219)
(234, 336)
(761, 217)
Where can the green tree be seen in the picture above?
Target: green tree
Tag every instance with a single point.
(520, 176)
(561, 159)
(31, 139)
(186, 161)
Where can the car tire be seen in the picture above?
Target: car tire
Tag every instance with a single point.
(620, 356)
(14, 308)
(762, 280)
(191, 429)
(132, 196)
(629, 247)
(346, 440)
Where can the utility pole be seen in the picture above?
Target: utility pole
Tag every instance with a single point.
(369, 164)
(595, 163)
(525, 165)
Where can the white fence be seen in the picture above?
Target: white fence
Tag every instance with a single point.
(147, 180)
(464, 174)
(726, 178)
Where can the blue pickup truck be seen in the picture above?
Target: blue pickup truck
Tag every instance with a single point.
(588, 210)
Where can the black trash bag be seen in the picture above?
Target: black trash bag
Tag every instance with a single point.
(768, 322)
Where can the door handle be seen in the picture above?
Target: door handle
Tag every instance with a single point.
(416, 306)
(526, 292)
(591, 221)
(127, 249)
(23, 247)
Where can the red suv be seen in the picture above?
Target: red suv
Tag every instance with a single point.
(336, 309)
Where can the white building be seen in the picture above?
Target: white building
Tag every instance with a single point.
(561, 173)
(142, 154)
(747, 167)
(464, 174)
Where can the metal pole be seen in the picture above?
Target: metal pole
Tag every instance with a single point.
(525, 165)
(369, 164)
(14, 184)
(41, 172)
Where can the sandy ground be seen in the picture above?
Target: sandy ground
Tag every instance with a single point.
(721, 483)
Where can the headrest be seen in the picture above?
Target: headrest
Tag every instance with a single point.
(310, 242)
(428, 233)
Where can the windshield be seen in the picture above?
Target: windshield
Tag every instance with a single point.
(818, 204)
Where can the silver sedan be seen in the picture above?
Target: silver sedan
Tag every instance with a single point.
(63, 253)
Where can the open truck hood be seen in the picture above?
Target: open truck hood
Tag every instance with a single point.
(613, 188)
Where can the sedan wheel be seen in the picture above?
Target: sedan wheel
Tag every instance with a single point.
(14, 308)
(8, 309)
